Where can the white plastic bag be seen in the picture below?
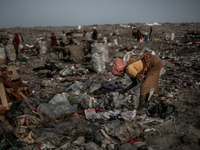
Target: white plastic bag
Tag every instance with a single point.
(2, 53)
(42, 46)
(59, 98)
(98, 62)
(128, 55)
(10, 52)
(101, 48)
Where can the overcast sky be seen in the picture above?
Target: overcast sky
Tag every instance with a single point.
(29, 13)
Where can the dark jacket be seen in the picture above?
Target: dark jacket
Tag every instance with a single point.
(94, 35)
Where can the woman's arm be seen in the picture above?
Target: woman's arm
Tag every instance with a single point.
(140, 79)
(134, 84)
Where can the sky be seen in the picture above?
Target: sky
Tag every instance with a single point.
(30, 13)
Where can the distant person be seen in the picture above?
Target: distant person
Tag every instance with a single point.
(84, 33)
(139, 35)
(69, 34)
(94, 34)
(132, 32)
(150, 34)
(53, 41)
(63, 36)
(15, 43)
(135, 32)
(70, 37)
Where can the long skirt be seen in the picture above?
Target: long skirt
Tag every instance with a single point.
(152, 76)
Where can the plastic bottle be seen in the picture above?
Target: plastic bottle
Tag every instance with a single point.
(90, 103)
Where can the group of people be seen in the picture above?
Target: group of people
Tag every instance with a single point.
(143, 70)
(137, 34)
(69, 36)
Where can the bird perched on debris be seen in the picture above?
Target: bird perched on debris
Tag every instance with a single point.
(136, 68)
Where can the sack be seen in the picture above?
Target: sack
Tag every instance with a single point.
(98, 62)
(100, 48)
(42, 46)
(2, 53)
(10, 52)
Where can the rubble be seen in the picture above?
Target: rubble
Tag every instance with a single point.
(48, 103)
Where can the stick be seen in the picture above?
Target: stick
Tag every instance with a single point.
(38, 114)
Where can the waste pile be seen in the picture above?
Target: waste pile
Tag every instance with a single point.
(46, 103)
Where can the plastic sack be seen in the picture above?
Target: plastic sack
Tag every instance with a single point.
(98, 62)
(56, 110)
(128, 55)
(172, 36)
(101, 48)
(124, 131)
(59, 98)
(136, 95)
(10, 52)
(42, 46)
(2, 53)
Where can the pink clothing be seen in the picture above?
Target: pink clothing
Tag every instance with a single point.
(117, 66)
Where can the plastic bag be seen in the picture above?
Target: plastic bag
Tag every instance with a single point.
(101, 48)
(42, 46)
(129, 115)
(116, 99)
(124, 131)
(59, 98)
(78, 86)
(94, 87)
(10, 52)
(56, 110)
(98, 62)
(128, 55)
(136, 95)
(2, 53)
(85, 100)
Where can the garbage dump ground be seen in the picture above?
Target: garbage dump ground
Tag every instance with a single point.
(73, 103)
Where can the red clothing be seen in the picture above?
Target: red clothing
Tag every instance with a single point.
(16, 40)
